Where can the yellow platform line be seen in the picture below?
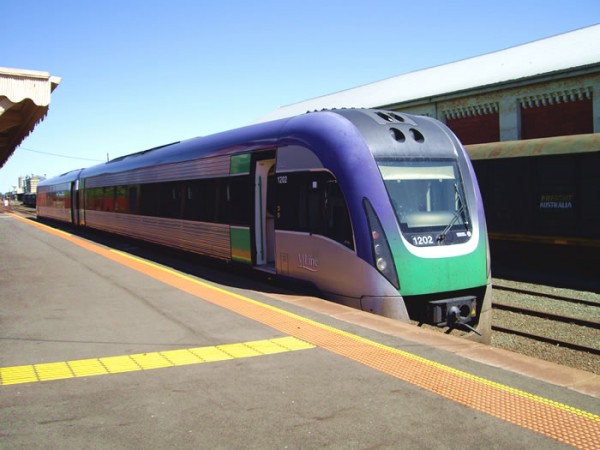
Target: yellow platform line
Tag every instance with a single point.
(553, 419)
(147, 361)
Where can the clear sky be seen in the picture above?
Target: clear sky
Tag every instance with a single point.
(137, 74)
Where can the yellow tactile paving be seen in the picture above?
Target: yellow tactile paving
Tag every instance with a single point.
(212, 354)
(119, 364)
(87, 367)
(53, 371)
(151, 361)
(561, 422)
(238, 350)
(147, 361)
(181, 357)
(18, 374)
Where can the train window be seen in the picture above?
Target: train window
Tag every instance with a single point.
(427, 197)
(239, 200)
(149, 199)
(193, 192)
(291, 210)
(108, 199)
(169, 200)
(122, 199)
(217, 200)
(133, 199)
(90, 199)
(313, 202)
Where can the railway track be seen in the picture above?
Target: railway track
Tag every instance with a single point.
(25, 211)
(548, 295)
(563, 321)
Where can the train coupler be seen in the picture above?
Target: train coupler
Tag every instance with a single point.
(453, 312)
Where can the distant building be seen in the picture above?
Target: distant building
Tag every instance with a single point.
(549, 87)
(28, 184)
(31, 184)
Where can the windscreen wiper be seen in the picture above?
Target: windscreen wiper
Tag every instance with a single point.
(458, 213)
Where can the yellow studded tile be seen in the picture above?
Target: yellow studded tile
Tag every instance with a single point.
(292, 343)
(152, 360)
(118, 364)
(87, 367)
(181, 357)
(238, 350)
(53, 371)
(267, 347)
(18, 374)
(210, 354)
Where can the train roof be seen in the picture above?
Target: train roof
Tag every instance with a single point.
(560, 145)
(66, 177)
(226, 142)
(554, 54)
(405, 136)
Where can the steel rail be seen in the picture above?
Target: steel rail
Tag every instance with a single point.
(543, 294)
(578, 347)
(547, 315)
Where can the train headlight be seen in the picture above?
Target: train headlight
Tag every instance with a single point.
(382, 255)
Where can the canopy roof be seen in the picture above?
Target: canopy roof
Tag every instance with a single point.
(554, 55)
(24, 102)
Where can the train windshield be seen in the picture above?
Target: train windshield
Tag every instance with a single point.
(429, 201)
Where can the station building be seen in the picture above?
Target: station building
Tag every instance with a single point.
(549, 87)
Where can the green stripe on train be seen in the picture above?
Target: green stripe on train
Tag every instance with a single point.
(425, 275)
(241, 247)
(240, 164)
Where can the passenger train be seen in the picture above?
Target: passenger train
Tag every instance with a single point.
(379, 210)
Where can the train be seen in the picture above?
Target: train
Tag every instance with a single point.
(29, 200)
(541, 191)
(378, 210)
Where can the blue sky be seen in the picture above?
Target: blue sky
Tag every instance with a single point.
(137, 74)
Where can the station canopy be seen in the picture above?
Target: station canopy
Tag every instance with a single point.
(24, 102)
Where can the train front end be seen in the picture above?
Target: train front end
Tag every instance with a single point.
(441, 252)
(426, 223)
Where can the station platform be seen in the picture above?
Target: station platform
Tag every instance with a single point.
(100, 348)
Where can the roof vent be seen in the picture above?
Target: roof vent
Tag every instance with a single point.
(398, 117)
(385, 117)
(397, 135)
(417, 136)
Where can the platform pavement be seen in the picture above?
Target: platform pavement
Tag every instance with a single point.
(63, 303)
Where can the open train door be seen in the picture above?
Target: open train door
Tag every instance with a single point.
(264, 218)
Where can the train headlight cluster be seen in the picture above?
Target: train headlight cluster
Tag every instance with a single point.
(382, 254)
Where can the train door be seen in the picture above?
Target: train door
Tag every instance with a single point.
(264, 217)
(81, 202)
(75, 202)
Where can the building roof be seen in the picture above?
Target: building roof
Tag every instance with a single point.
(564, 52)
(24, 102)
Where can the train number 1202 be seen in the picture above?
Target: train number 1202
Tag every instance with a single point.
(421, 241)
